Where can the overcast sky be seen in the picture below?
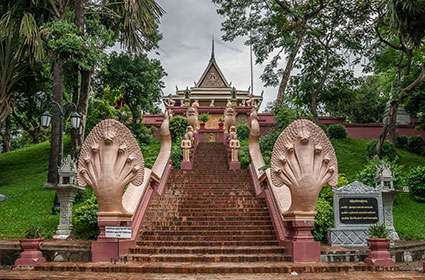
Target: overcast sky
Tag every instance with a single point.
(187, 29)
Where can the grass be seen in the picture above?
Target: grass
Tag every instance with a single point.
(407, 221)
(22, 175)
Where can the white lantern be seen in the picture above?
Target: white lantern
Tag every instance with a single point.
(46, 118)
(75, 120)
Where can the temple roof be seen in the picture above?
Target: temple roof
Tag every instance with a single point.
(212, 76)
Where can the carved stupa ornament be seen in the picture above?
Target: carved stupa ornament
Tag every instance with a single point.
(304, 160)
(110, 159)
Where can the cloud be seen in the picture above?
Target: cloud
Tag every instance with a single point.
(187, 29)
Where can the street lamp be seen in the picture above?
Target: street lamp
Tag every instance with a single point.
(46, 118)
(75, 120)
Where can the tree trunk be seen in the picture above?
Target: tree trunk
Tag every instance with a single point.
(313, 107)
(390, 126)
(6, 136)
(56, 147)
(83, 103)
(289, 66)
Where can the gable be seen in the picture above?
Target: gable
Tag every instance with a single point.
(213, 78)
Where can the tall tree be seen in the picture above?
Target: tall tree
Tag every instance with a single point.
(400, 26)
(277, 26)
(138, 78)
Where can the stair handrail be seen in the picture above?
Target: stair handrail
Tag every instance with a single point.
(156, 183)
(261, 176)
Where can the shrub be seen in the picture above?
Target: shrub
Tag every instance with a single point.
(33, 232)
(368, 173)
(323, 220)
(176, 153)
(243, 132)
(378, 231)
(204, 117)
(266, 144)
(337, 131)
(415, 180)
(388, 150)
(401, 142)
(284, 116)
(142, 133)
(244, 154)
(85, 217)
(178, 127)
(416, 144)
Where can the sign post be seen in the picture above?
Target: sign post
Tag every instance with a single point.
(118, 233)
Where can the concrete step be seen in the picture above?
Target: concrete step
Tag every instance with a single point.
(232, 250)
(204, 243)
(212, 267)
(205, 258)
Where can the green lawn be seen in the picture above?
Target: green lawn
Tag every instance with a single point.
(22, 175)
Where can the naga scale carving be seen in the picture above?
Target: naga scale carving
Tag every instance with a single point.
(304, 160)
(110, 159)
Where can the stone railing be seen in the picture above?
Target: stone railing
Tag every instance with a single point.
(278, 199)
(112, 164)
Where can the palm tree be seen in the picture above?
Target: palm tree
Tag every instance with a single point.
(20, 42)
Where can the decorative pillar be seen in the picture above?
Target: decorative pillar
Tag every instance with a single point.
(300, 243)
(304, 160)
(66, 190)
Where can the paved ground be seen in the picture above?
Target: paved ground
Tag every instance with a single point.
(26, 275)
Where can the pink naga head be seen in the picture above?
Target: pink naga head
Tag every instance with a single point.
(304, 160)
(110, 159)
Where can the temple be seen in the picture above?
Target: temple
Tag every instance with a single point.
(213, 93)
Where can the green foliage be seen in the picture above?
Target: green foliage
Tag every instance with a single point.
(244, 157)
(33, 232)
(150, 152)
(323, 220)
(388, 150)
(378, 231)
(85, 217)
(204, 117)
(142, 133)
(267, 143)
(64, 40)
(416, 144)
(243, 132)
(368, 173)
(138, 77)
(176, 153)
(284, 116)
(337, 131)
(401, 142)
(178, 126)
(416, 182)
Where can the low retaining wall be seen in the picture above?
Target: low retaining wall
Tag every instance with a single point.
(79, 251)
(53, 250)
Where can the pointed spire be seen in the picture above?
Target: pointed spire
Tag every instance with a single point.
(212, 49)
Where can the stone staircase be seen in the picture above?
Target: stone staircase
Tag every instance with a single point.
(208, 221)
(208, 215)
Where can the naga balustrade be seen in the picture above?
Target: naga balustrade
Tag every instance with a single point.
(112, 164)
(303, 160)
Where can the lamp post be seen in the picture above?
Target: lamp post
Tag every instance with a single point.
(67, 186)
(46, 119)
